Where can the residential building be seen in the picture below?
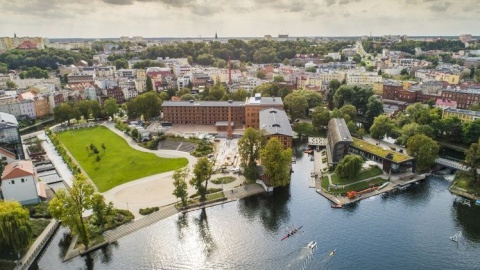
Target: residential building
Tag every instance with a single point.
(464, 98)
(275, 124)
(463, 115)
(338, 140)
(81, 78)
(42, 108)
(10, 136)
(253, 106)
(366, 79)
(20, 183)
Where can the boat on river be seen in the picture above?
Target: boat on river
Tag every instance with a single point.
(383, 185)
(455, 237)
(336, 206)
(332, 252)
(291, 233)
(312, 245)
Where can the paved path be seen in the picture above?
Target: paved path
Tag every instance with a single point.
(113, 235)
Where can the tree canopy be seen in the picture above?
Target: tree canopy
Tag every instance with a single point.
(424, 150)
(249, 146)
(276, 162)
(349, 166)
(15, 228)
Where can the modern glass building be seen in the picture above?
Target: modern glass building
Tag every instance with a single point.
(10, 136)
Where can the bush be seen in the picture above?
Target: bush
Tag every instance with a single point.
(40, 210)
(148, 210)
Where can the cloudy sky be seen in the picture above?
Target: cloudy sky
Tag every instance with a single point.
(236, 18)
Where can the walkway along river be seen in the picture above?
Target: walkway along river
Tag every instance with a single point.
(405, 229)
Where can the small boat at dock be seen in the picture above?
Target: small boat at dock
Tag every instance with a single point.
(383, 185)
(312, 245)
(336, 206)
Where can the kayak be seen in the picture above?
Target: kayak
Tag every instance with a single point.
(332, 252)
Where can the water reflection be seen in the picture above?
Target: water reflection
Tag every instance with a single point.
(467, 217)
(270, 208)
(412, 194)
(107, 252)
(182, 225)
(89, 262)
(205, 234)
(64, 244)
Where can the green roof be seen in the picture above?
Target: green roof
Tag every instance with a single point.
(379, 151)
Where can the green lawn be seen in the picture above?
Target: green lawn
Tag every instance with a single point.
(119, 163)
(464, 181)
(364, 174)
(355, 187)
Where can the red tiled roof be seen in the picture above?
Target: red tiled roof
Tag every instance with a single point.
(18, 169)
(27, 44)
(7, 153)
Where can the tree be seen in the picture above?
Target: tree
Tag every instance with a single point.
(180, 184)
(98, 159)
(11, 85)
(472, 161)
(320, 118)
(202, 172)
(471, 131)
(374, 109)
(68, 207)
(424, 150)
(65, 112)
(349, 166)
(276, 162)
(100, 209)
(261, 74)
(149, 84)
(121, 63)
(296, 104)
(239, 95)
(381, 125)
(111, 107)
(278, 78)
(349, 112)
(404, 72)
(249, 147)
(104, 148)
(313, 98)
(344, 94)
(15, 227)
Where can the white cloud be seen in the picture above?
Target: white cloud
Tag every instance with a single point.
(192, 18)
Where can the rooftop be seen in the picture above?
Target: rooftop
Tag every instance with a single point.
(275, 121)
(18, 169)
(378, 151)
(467, 112)
(192, 103)
(339, 130)
(259, 100)
(8, 119)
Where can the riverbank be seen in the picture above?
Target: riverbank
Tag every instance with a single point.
(395, 182)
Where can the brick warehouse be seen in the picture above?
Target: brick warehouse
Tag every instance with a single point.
(213, 112)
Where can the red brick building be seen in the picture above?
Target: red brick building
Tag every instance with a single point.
(254, 105)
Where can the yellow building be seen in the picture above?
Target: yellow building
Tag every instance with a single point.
(463, 115)
(378, 88)
(450, 78)
(141, 74)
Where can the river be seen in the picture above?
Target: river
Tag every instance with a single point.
(407, 229)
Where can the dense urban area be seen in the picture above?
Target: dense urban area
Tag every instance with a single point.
(106, 137)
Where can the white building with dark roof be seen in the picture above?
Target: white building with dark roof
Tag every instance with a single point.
(338, 140)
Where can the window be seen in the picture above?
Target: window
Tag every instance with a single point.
(13, 182)
(23, 180)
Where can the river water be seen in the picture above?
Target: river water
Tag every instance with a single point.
(407, 229)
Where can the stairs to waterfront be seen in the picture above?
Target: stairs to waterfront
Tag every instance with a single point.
(115, 234)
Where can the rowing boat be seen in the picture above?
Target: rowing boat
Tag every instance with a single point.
(291, 233)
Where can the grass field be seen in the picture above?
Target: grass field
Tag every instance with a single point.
(119, 163)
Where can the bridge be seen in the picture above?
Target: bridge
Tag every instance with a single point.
(451, 164)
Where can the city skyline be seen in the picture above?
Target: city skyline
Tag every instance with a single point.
(249, 18)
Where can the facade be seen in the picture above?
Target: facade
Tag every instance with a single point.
(81, 78)
(363, 79)
(275, 124)
(20, 183)
(253, 106)
(10, 135)
(338, 140)
(41, 105)
(463, 115)
(464, 98)
(203, 112)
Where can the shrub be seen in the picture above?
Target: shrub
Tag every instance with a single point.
(148, 210)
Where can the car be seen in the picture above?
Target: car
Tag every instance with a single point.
(297, 120)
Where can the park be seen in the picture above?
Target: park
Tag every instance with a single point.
(114, 162)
